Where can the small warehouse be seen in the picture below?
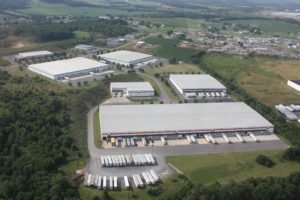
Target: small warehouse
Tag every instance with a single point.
(65, 69)
(177, 120)
(294, 84)
(196, 83)
(132, 89)
(33, 55)
(126, 58)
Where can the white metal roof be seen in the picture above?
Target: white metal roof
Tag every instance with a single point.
(125, 56)
(132, 86)
(67, 66)
(178, 117)
(35, 53)
(196, 81)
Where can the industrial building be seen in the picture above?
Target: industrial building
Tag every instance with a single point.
(33, 55)
(294, 84)
(132, 89)
(84, 47)
(194, 84)
(126, 58)
(65, 69)
(179, 120)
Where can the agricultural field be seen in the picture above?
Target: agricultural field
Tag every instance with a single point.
(209, 168)
(167, 48)
(265, 78)
(38, 7)
(269, 82)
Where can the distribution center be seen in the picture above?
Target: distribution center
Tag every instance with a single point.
(64, 69)
(126, 57)
(177, 120)
(196, 83)
(132, 89)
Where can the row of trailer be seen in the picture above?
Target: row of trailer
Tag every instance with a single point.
(111, 182)
(206, 94)
(127, 160)
(210, 139)
(149, 177)
(101, 182)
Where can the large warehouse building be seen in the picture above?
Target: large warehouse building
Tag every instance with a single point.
(177, 120)
(64, 69)
(34, 54)
(126, 57)
(132, 89)
(192, 83)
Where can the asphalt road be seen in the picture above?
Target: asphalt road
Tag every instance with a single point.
(163, 93)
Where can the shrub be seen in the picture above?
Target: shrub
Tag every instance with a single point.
(265, 161)
(292, 154)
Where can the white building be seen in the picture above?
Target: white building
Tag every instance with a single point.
(196, 83)
(132, 89)
(84, 47)
(33, 54)
(294, 84)
(177, 120)
(126, 57)
(64, 69)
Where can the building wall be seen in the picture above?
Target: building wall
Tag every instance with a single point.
(183, 135)
(177, 86)
(293, 85)
(140, 93)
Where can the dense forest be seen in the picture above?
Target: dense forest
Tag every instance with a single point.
(48, 31)
(34, 140)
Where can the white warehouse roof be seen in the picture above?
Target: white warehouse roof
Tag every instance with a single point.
(125, 56)
(179, 118)
(35, 54)
(132, 86)
(66, 66)
(196, 81)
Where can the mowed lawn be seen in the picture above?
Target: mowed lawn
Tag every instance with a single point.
(209, 168)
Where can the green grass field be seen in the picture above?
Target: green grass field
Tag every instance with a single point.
(209, 168)
(179, 68)
(168, 49)
(4, 62)
(97, 133)
(271, 27)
